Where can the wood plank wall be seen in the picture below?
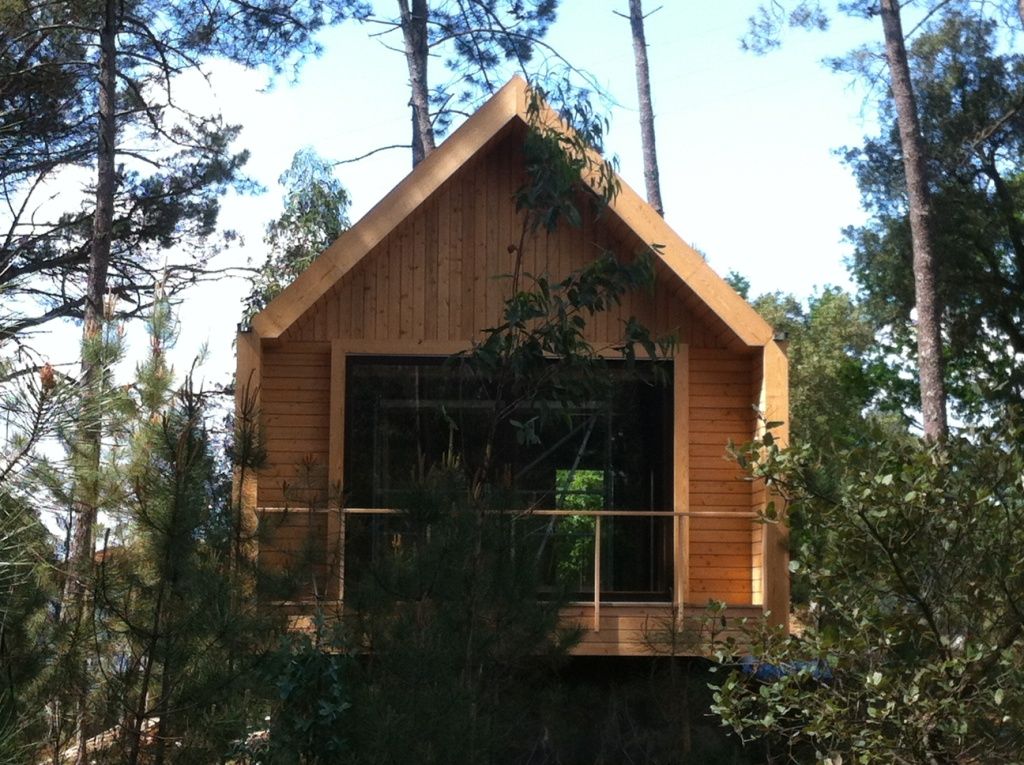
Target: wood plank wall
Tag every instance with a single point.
(438, 278)
(721, 409)
(295, 398)
(758, 495)
(296, 543)
(643, 630)
(442, 275)
(298, 556)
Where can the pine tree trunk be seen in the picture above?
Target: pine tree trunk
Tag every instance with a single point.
(86, 448)
(414, 32)
(1020, 11)
(929, 327)
(643, 91)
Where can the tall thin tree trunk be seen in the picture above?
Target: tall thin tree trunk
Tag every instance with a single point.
(142, 708)
(1020, 11)
(643, 92)
(134, 733)
(87, 439)
(929, 324)
(163, 732)
(414, 32)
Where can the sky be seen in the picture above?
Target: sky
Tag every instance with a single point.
(746, 143)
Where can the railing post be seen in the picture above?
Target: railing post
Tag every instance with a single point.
(597, 573)
(681, 479)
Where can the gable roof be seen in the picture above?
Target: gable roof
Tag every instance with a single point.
(506, 106)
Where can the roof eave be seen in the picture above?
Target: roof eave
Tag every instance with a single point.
(333, 263)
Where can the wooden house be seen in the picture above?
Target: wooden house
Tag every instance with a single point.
(416, 280)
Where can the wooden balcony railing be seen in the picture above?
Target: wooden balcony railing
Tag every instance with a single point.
(679, 545)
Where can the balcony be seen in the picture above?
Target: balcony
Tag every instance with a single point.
(630, 576)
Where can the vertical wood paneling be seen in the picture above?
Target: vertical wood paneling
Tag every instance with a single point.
(358, 308)
(757, 495)
(775, 406)
(245, 481)
(320, 326)
(340, 296)
(453, 253)
(433, 277)
(506, 225)
(384, 295)
(470, 259)
(336, 472)
(420, 258)
(439, 271)
(407, 269)
(491, 284)
(480, 253)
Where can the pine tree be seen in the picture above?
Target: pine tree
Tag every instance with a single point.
(175, 646)
(967, 91)
(765, 29)
(652, 181)
(477, 40)
(141, 48)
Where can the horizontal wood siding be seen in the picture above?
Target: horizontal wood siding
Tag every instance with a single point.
(721, 409)
(298, 556)
(758, 496)
(625, 630)
(646, 630)
(295, 397)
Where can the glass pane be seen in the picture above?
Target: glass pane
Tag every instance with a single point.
(408, 417)
(564, 549)
(636, 558)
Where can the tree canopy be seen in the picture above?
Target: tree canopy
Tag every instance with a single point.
(315, 214)
(170, 165)
(969, 95)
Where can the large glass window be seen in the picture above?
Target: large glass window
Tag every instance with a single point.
(407, 416)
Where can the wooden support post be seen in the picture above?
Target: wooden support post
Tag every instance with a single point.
(775, 407)
(681, 477)
(597, 573)
(248, 374)
(336, 522)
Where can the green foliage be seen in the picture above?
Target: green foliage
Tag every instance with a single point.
(562, 166)
(915, 650)
(835, 376)
(740, 283)
(769, 21)
(612, 710)
(458, 641)
(174, 631)
(968, 94)
(548, 320)
(172, 165)
(310, 719)
(577, 490)
(483, 35)
(169, 640)
(315, 214)
(26, 586)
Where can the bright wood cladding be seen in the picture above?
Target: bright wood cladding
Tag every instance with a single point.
(424, 274)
